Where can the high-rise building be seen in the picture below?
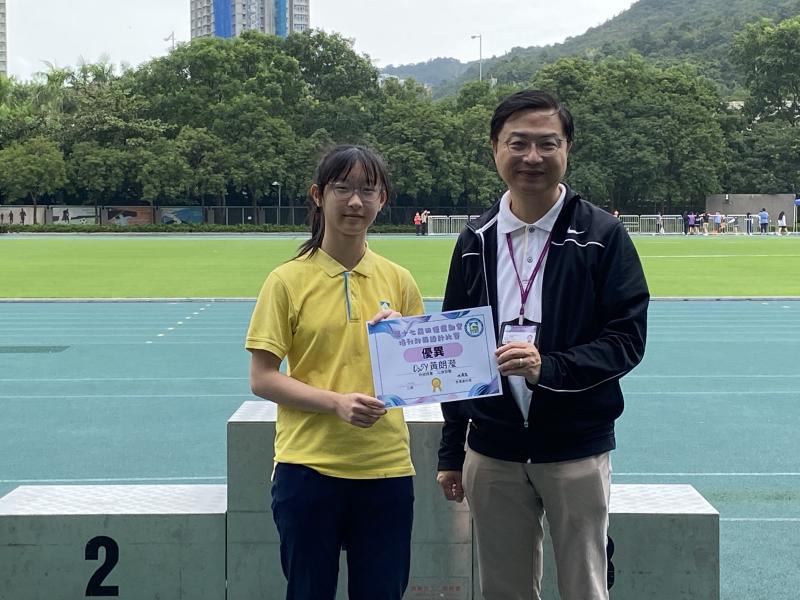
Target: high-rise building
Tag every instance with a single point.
(3, 45)
(229, 18)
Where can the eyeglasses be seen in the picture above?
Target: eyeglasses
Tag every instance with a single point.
(545, 146)
(367, 193)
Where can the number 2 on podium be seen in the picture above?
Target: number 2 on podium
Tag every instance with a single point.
(95, 587)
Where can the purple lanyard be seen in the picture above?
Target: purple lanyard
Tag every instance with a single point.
(524, 292)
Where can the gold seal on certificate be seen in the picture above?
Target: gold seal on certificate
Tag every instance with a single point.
(434, 358)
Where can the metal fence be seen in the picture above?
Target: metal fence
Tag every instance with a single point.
(450, 225)
(634, 224)
(441, 221)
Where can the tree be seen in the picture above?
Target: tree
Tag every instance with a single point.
(208, 160)
(648, 138)
(769, 57)
(97, 170)
(330, 66)
(165, 175)
(765, 159)
(31, 168)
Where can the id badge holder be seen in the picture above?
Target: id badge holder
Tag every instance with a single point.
(512, 331)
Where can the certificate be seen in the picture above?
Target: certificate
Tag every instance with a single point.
(434, 358)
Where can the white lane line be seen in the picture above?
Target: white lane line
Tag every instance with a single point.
(754, 376)
(716, 255)
(761, 519)
(92, 379)
(112, 480)
(110, 396)
(759, 392)
(712, 474)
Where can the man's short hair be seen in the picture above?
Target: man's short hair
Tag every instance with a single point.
(531, 100)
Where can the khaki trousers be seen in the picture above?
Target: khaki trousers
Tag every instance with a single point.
(508, 501)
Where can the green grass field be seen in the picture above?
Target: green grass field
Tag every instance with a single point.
(181, 267)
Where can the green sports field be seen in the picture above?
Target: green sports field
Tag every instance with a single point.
(235, 266)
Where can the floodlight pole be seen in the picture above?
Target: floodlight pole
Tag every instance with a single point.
(278, 185)
(480, 54)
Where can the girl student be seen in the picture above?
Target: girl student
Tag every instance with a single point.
(782, 230)
(343, 469)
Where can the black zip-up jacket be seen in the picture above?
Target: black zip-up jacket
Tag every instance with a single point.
(594, 321)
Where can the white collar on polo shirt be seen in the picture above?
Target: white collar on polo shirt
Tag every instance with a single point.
(508, 222)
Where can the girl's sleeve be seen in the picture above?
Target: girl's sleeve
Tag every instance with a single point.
(272, 324)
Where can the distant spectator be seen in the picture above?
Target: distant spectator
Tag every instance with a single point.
(685, 216)
(2, 217)
(22, 215)
(748, 223)
(424, 217)
(616, 213)
(692, 223)
(65, 215)
(763, 221)
(418, 223)
(660, 223)
(704, 221)
(11, 217)
(782, 224)
(728, 224)
(717, 222)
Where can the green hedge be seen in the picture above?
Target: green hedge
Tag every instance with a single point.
(182, 228)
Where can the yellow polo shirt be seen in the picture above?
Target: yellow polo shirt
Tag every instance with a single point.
(313, 311)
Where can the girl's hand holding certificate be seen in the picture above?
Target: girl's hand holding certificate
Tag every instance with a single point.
(359, 409)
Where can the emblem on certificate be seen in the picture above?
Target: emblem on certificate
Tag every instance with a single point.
(434, 358)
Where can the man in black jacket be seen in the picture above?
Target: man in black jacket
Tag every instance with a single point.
(558, 270)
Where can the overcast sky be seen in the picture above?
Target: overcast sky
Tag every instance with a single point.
(390, 31)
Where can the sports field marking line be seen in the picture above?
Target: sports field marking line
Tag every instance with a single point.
(758, 392)
(63, 396)
(717, 255)
(754, 376)
(93, 379)
(112, 480)
(711, 474)
(141, 479)
(207, 342)
(761, 519)
(41, 379)
(84, 379)
(109, 396)
(252, 299)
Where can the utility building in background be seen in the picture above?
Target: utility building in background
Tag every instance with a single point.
(229, 18)
(3, 44)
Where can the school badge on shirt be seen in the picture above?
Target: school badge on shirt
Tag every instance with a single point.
(384, 305)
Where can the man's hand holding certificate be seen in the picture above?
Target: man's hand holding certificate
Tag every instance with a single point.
(434, 358)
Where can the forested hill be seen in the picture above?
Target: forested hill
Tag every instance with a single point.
(696, 31)
(434, 72)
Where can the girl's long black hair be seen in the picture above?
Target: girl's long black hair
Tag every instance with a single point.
(336, 166)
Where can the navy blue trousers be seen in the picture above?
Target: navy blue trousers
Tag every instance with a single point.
(318, 515)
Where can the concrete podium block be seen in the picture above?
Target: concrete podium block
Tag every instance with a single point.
(136, 542)
(251, 450)
(665, 545)
(441, 554)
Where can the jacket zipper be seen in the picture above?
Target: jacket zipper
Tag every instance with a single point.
(525, 424)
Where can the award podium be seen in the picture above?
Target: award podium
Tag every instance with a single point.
(219, 542)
